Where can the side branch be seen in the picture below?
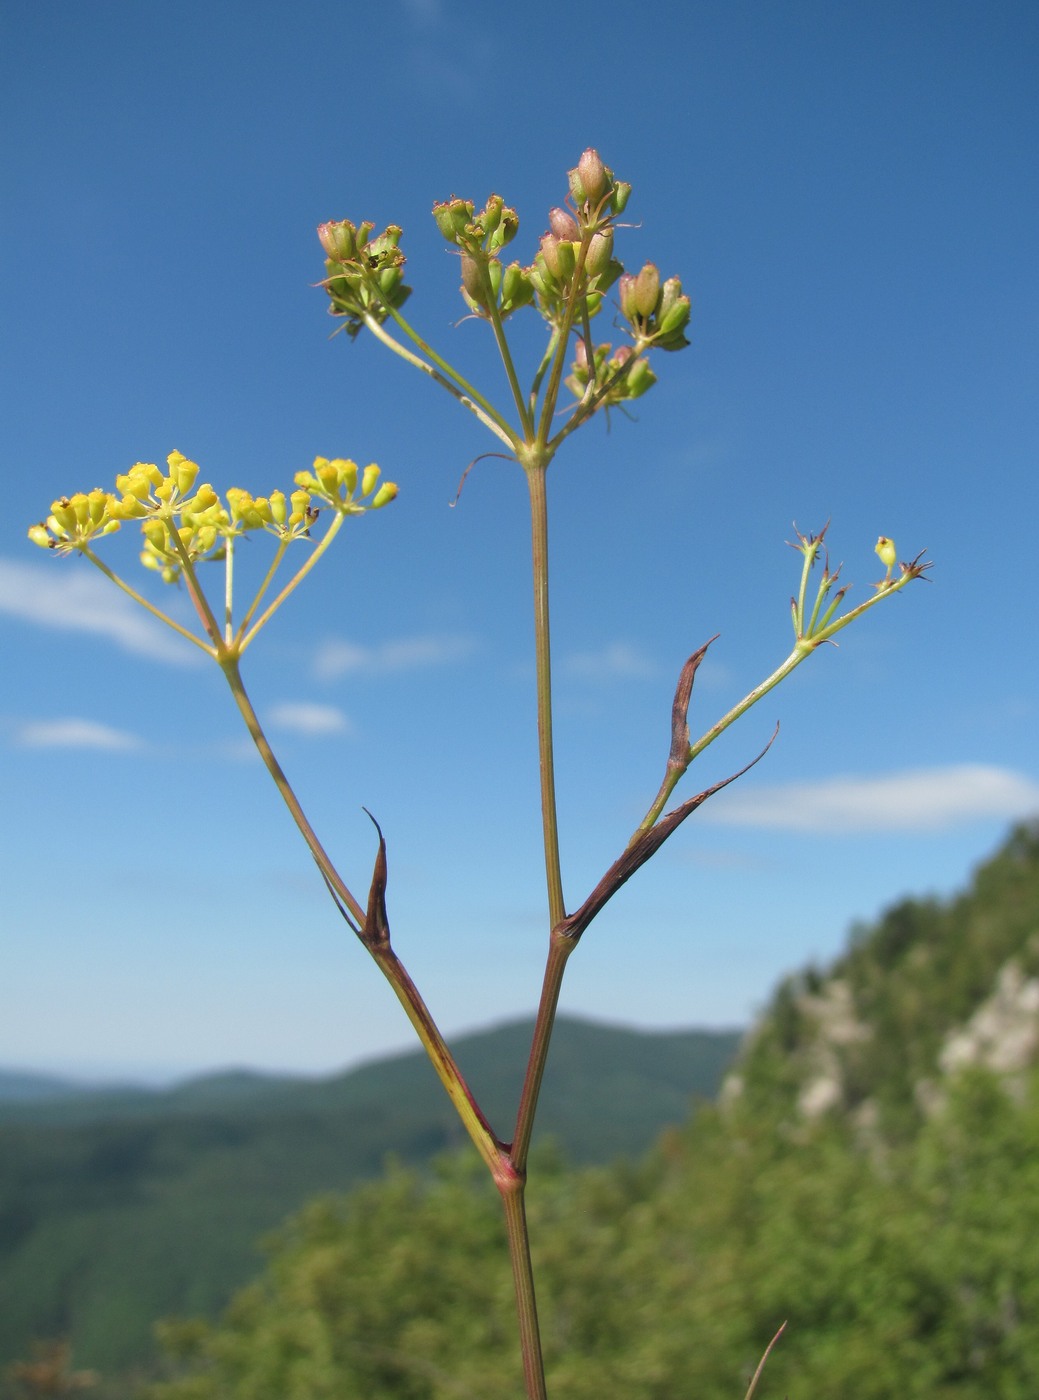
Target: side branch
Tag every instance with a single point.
(645, 844)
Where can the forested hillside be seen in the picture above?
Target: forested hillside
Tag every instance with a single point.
(890, 1216)
(120, 1206)
(871, 1176)
(933, 988)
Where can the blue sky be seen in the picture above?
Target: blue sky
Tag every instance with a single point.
(849, 193)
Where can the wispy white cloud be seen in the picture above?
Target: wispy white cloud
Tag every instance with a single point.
(922, 799)
(341, 658)
(616, 661)
(74, 733)
(72, 596)
(313, 721)
(424, 12)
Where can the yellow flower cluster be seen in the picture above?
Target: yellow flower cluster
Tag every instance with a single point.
(335, 483)
(75, 520)
(182, 523)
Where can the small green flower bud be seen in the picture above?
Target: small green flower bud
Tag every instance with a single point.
(563, 225)
(494, 277)
(276, 501)
(591, 176)
(620, 196)
(453, 217)
(516, 288)
(600, 251)
(384, 248)
(506, 231)
(675, 319)
(388, 280)
(670, 292)
(154, 531)
(339, 240)
(369, 477)
(472, 279)
(544, 284)
(647, 291)
(639, 379)
(490, 215)
(39, 534)
(559, 256)
(626, 295)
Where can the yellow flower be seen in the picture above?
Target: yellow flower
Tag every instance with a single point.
(887, 554)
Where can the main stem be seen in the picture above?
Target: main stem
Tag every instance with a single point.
(559, 949)
(543, 661)
(512, 1196)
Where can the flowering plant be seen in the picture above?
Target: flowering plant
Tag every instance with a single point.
(574, 278)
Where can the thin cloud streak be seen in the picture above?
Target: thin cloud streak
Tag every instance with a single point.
(67, 598)
(311, 720)
(424, 12)
(342, 658)
(615, 661)
(74, 733)
(923, 799)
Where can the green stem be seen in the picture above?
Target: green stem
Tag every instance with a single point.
(512, 1196)
(196, 592)
(542, 656)
(448, 379)
(559, 950)
(229, 590)
(674, 773)
(542, 370)
(279, 555)
(392, 969)
(548, 406)
(293, 583)
(458, 1091)
(526, 421)
(148, 607)
(228, 661)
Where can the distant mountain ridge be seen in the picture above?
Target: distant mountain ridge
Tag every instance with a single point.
(661, 1071)
(28, 1086)
(139, 1203)
(43, 1098)
(34, 1086)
